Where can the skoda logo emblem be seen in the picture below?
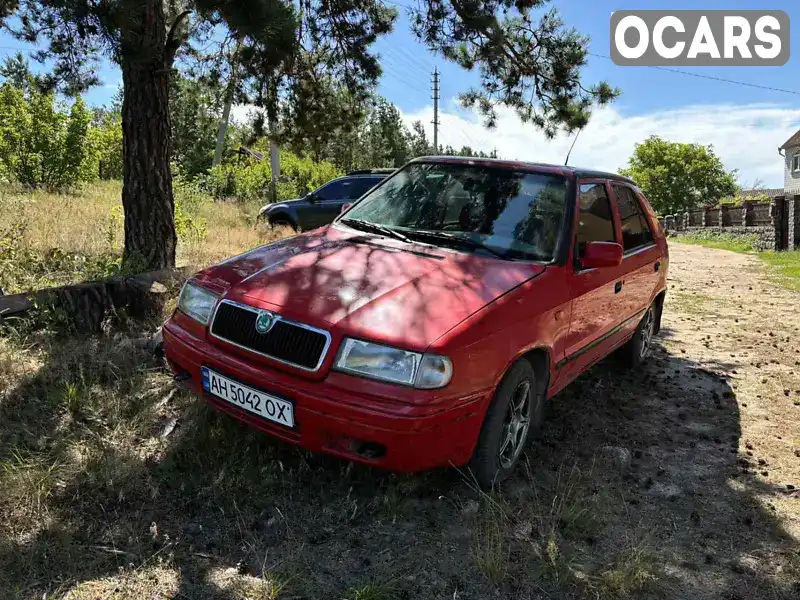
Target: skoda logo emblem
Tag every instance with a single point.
(265, 321)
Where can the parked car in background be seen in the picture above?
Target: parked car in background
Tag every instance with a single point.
(429, 324)
(321, 206)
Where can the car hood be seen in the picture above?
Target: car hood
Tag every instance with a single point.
(407, 295)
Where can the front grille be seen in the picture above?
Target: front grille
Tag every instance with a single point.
(287, 341)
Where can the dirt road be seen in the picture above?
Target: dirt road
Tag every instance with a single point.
(678, 481)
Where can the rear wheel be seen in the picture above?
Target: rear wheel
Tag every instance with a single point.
(516, 411)
(635, 352)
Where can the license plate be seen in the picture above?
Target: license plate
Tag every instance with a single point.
(254, 401)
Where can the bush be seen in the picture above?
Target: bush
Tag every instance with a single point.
(106, 138)
(41, 144)
(189, 224)
(249, 179)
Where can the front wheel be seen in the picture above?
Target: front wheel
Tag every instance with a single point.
(284, 222)
(516, 410)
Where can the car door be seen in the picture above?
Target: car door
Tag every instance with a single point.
(333, 196)
(641, 260)
(328, 201)
(595, 293)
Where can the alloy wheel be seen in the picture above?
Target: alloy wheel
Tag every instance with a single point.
(648, 325)
(515, 425)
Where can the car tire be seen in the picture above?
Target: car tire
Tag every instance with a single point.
(636, 350)
(283, 222)
(504, 433)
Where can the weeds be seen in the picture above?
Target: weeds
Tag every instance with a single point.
(490, 550)
(632, 572)
(374, 591)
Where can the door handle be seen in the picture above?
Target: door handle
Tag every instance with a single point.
(657, 266)
(618, 287)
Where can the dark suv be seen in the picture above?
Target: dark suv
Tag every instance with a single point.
(321, 206)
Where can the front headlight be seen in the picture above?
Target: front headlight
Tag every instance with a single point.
(393, 364)
(197, 302)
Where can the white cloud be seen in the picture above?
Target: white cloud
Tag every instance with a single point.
(241, 113)
(746, 137)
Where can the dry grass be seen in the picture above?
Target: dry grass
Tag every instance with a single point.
(66, 233)
(117, 485)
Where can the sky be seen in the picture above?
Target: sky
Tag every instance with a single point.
(746, 125)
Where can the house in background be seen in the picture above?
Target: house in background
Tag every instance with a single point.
(790, 213)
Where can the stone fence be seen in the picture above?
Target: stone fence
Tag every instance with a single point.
(775, 225)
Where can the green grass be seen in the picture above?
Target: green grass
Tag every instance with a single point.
(785, 267)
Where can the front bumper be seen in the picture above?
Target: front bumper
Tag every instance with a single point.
(333, 419)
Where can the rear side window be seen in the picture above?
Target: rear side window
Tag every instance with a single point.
(595, 221)
(635, 230)
(359, 187)
(335, 190)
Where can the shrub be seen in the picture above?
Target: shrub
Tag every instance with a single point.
(106, 138)
(249, 179)
(189, 224)
(40, 143)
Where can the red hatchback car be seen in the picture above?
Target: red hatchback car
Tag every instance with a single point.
(432, 320)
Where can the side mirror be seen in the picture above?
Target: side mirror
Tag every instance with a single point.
(345, 207)
(597, 255)
(312, 197)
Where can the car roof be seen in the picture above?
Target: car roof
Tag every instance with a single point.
(362, 176)
(567, 171)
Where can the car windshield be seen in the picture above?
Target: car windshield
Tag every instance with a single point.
(512, 214)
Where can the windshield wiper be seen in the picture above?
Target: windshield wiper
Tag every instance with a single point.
(375, 228)
(442, 236)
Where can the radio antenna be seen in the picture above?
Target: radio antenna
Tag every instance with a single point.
(566, 162)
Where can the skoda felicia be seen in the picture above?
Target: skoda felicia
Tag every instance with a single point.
(432, 320)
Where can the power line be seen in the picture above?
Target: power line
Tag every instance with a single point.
(404, 81)
(417, 61)
(711, 77)
(403, 68)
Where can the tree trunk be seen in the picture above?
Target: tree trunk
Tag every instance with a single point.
(147, 199)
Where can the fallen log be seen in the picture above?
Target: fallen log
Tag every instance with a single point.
(86, 305)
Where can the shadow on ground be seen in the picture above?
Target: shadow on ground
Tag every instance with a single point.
(635, 488)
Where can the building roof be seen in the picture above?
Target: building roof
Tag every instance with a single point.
(791, 142)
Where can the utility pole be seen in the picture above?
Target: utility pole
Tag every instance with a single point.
(435, 111)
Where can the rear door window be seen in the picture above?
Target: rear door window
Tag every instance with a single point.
(335, 190)
(595, 219)
(359, 187)
(635, 229)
